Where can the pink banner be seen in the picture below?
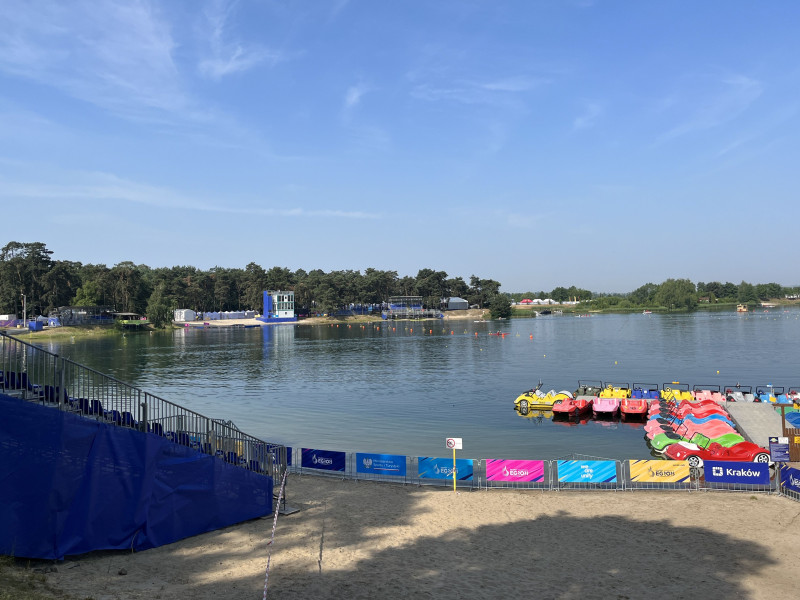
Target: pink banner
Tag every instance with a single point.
(514, 470)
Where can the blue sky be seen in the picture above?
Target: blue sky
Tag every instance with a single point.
(589, 143)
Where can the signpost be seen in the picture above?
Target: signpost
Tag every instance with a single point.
(454, 444)
(779, 449)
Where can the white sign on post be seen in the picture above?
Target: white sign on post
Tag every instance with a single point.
(453, 443)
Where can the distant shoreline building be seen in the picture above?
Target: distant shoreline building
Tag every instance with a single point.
(278, 307)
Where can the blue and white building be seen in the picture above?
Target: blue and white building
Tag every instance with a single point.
(278, 307)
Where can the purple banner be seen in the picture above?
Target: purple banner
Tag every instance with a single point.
(514, 470)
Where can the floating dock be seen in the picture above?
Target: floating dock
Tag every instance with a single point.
(757, 421)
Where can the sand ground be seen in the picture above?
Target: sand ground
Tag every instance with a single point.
(456, 315)
(376, 540)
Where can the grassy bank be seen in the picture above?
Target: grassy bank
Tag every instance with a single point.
(65, 332)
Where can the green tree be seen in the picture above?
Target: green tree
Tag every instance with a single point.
(500, 306)
(87, 295)
(645, 295)
(729, 291)
(23, 267)
(481, 290)
(677, 293)
(160, 308)
(456, 287)
(747, 293)
(128, 290)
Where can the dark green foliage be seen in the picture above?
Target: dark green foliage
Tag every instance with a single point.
(28, 268)
(500, 306)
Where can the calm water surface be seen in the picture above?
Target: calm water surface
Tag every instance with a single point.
(404, 387)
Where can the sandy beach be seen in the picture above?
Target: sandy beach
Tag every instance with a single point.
(376, 540)
(456, 315)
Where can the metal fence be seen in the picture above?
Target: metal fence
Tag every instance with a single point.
(573, 472)
(36, 375)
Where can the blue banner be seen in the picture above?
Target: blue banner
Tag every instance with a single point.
(442, 468)
(736, 472)
(381, 464)
(779, 451)
(587, 471)
(790, 479)
(59, 498)
(328, 460)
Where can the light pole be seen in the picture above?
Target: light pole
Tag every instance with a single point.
(24, 310)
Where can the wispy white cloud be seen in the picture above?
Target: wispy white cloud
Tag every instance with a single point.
(513, 84)
(228, 55)
(107, 187)
(117, 55)
(588, 117)
(352, 97)
(731, 97)
(504, 93)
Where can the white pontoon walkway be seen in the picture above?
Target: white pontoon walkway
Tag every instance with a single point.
(756, 421)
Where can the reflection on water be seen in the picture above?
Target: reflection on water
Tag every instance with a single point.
(405, 387)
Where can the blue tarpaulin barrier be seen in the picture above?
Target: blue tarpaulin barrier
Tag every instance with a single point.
(71, 485)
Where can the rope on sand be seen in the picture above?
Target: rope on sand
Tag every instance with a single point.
(274, 525)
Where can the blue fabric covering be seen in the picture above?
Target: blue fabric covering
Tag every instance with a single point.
(793, 418)
(71, 484)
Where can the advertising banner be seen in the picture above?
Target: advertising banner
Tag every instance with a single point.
(587, 471)
(790, 479)
(659, 471)
(381, 464)
(442, 468)
(514, 470)
(327, 460)
(736, 472)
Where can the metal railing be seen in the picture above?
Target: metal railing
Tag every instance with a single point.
(37, 375)
(574, 472)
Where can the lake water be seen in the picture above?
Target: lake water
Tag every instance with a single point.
(402, 388)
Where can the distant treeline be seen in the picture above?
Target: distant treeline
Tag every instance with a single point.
(671, 294)
(28, 269)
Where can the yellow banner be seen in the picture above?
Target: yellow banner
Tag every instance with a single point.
(659, 471)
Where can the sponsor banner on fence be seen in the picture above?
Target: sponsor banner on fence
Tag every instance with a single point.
(659, 471)
(514, 470)
(442, 468)
(328, 460)
(587, 471)
(790, 479)
(736, 472)
(381, 464)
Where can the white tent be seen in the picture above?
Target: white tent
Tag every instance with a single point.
(184, 315)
